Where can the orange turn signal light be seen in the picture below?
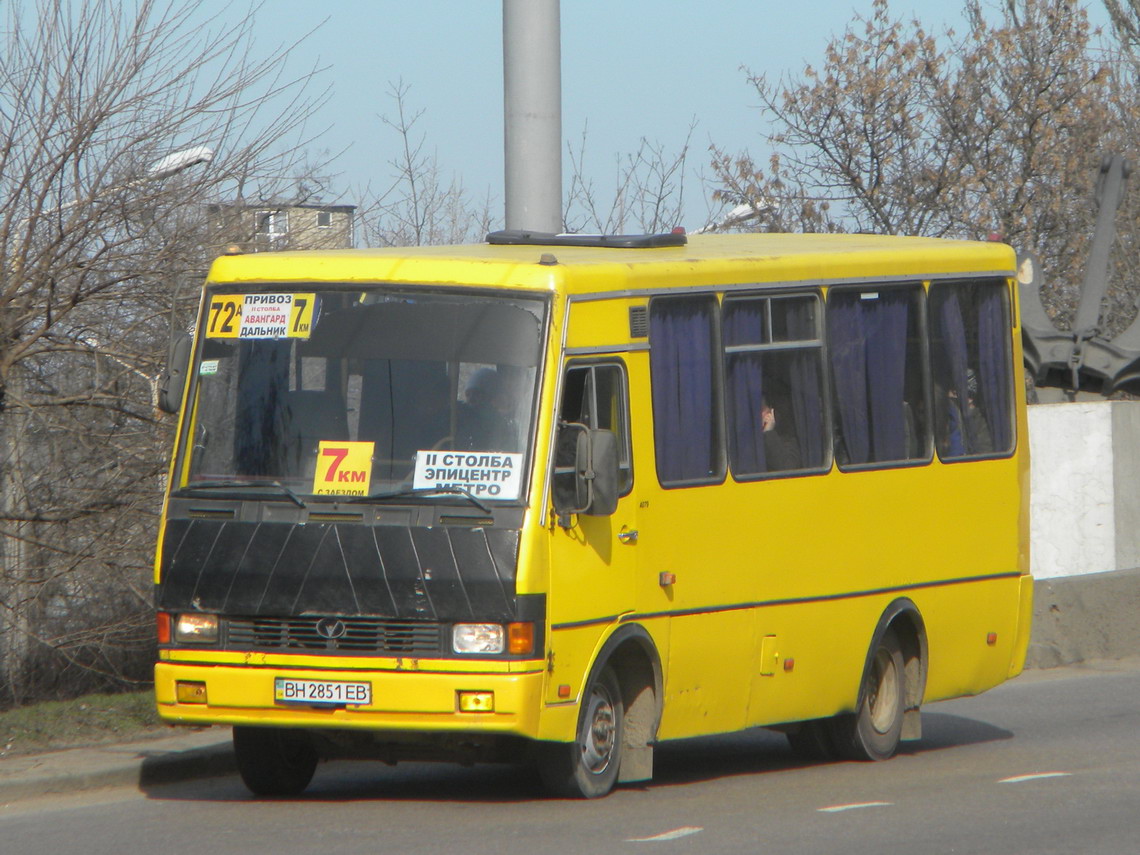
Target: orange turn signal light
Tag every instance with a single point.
(520, 638)
(163, 627)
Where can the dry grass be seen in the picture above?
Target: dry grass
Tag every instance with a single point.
(89, 720)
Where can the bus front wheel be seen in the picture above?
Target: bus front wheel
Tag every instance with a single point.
(873, 732)
(272, 761)
(588, 766)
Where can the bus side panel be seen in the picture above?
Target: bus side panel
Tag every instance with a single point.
(781, 583)
(819, 650)
(974, 636)
(706, 691)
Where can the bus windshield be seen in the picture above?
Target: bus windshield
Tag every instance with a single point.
(348, 392)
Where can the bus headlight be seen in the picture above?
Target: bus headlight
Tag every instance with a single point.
(478, 638)
(196, 628)
(514, 638)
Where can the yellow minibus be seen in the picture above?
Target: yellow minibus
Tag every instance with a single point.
(557, 499)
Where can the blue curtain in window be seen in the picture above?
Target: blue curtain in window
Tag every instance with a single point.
(993, 365)
(744, 324)
(954, 353)
(807, 397)
(868, 340)
(847, 336)
(886, 326)
(681, 366)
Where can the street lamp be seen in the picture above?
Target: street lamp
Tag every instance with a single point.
(738, 215)
(177, 161)
(161, 169)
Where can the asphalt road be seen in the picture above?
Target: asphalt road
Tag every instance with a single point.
(1048, 763)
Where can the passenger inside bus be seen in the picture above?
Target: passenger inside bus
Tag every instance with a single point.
(780, 453)
(485, 422)
(966, 430)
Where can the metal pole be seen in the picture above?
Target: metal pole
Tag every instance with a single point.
(1114, 172)
(532, 114)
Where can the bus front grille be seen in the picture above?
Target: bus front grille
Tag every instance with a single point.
(339, 635)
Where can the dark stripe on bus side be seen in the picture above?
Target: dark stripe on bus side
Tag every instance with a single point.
(761, 604)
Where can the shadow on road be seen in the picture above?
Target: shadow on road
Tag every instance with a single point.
(752, 752)
(942, 730)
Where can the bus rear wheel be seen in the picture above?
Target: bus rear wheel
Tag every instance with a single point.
(274, 762)
(873, 732)
(588, 767)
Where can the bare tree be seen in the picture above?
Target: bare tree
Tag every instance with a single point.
(420, 206)
(997, 130)
(1122, 61)
(101, 236)
(648, 194)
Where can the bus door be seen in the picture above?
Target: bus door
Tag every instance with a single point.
(593, 558)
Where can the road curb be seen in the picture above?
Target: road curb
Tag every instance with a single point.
(210, 762)
(139, 764)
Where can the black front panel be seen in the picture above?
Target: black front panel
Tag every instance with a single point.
(283, 570)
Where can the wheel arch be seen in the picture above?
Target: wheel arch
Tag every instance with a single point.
(634, 658)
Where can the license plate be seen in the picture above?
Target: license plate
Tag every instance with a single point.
(333, 693)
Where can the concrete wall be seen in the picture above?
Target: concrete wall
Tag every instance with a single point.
(1085, 530)
(1077, 618)
(1085, 487)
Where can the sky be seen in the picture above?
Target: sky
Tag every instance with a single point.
(631, 69)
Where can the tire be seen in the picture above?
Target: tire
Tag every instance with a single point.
(872, 733)
(588, 767)
(274, 762)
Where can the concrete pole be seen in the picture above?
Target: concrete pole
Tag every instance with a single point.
(532, 114)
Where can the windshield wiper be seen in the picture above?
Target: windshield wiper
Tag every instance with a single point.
(425, 491)
(236, 484)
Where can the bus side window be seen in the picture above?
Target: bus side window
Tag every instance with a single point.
(970, 364)
(595, 395)
(773, 356)
(685, 381)
(875, 343)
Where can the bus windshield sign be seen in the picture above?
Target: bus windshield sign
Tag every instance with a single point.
(260, 315)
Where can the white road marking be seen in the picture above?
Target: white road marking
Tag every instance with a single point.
(854, 806)
(1017, 779)
(684, 831)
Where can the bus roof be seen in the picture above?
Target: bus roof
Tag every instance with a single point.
(702, 261)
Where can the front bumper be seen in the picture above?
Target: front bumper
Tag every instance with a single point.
(402, 701)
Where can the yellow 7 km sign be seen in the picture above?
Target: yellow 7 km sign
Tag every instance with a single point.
(343, 468)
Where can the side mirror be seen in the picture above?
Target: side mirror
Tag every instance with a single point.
(174, 378)
(600, 472)
(585, 472)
